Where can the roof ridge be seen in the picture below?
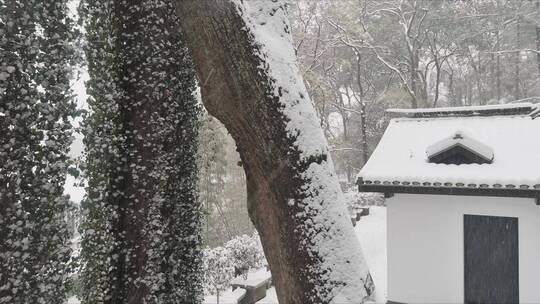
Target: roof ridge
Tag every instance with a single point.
(524, 108)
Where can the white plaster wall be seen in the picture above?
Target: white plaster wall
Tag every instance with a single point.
(425, 245)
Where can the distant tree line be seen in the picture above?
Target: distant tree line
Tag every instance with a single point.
(361, 57)
(222, 185)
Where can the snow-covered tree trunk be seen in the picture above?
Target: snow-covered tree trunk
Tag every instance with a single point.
(141, 234)
(35, 109)
(250, 81)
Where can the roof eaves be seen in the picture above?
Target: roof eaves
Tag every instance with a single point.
(508, 190)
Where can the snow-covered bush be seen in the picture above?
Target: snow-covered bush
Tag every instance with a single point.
(245, 252)
(234, 258)
(356, 200)
(371, 199)
(218, 270)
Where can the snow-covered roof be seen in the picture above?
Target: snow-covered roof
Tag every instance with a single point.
(512, 141)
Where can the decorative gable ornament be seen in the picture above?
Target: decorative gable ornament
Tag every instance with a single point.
(459, 149)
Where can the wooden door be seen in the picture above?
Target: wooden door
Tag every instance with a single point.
(491, 259)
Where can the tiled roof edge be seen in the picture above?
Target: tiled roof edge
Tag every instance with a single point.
(508, 190)
(362, 181)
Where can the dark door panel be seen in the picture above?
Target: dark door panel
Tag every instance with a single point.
(491, 259)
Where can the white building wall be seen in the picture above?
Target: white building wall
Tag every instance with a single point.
(425, 245)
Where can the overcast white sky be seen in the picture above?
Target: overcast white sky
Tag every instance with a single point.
(75, 192)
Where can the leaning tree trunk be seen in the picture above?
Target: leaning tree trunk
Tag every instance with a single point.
(250, 81)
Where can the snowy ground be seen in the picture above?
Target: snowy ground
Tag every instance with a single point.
(228, 297)
(371, 231)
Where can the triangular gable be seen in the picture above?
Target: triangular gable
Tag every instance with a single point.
(459, 149)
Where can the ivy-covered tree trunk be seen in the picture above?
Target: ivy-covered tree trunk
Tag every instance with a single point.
(250, 81)
(141, 235)
(36, 105)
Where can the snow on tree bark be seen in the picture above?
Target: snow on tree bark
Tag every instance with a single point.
(141, 235)
(36, 105)
(250, 82)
